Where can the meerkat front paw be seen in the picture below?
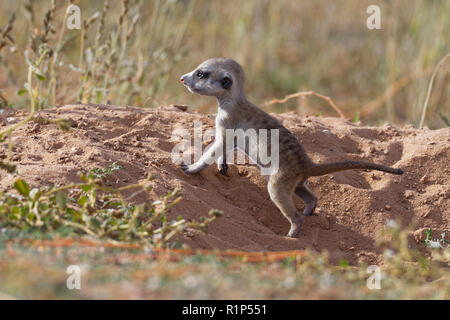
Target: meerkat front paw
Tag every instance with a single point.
(188, 169)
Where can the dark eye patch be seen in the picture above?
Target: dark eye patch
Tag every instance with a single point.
(202, 74)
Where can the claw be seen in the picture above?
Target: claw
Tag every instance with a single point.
(223, 169)
(185, 168)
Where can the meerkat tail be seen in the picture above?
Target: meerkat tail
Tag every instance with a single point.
(326, 168)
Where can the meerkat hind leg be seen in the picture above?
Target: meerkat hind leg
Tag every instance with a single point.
(281, 195)
(308, 197)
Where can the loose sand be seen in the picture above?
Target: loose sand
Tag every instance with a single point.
(353, 205)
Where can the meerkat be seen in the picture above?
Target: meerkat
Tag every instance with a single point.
(224, 79)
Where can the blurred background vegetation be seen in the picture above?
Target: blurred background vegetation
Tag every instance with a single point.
(132, 52)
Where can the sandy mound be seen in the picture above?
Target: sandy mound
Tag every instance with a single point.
(353, 205)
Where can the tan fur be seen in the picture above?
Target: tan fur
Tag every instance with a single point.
(236, 112)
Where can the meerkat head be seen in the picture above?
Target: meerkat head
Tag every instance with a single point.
(219, 77)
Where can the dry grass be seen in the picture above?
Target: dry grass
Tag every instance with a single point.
(132, 52)
(430, 86)
(309, 93)
(121, 273)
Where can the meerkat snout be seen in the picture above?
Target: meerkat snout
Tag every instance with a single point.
(224, 79)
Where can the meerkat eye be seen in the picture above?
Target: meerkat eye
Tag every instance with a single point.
(226, 82)
(202, 75)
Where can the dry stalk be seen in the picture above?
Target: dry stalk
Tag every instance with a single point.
(308, 93)
(390, 92)
(5, 33)
(430, 86)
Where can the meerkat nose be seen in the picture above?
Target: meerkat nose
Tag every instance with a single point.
(182, 78)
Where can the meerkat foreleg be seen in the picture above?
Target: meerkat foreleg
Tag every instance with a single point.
(210, 156)
(222, 163)
(308, 197)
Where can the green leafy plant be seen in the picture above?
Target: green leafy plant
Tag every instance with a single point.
(100, 173)
(92, 209)
(434, 243)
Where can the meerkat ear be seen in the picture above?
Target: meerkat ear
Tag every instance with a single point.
(226, 82)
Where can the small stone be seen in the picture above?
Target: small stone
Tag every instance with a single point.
(76, 151)
(426, 214)
(388, 207)
(374, 176)
(424, 179)
(179, 107)
(36, 127)
(409, 194)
